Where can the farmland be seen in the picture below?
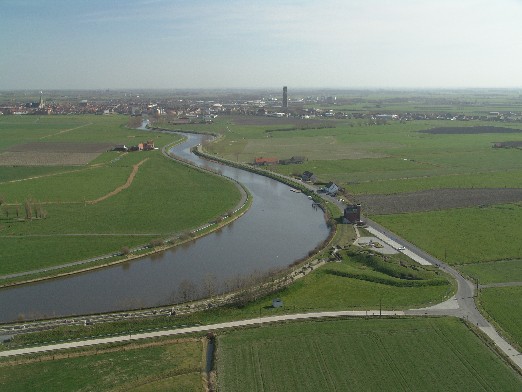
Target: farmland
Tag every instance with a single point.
(439, 184)
(384, 354)
(101, 199)
(141, 366)
(380, 159)
(462, 235)
(449, 192)
(501, 271)
(503, 305)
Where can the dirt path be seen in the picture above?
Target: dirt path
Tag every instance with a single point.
(120, 188)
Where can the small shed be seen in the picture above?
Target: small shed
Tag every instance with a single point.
(277, 303)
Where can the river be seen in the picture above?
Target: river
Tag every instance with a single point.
(279, 228)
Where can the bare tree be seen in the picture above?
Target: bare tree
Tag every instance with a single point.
(28, 209)
(209, 285)
(187, 290)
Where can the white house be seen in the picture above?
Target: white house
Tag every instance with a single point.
(331, 188)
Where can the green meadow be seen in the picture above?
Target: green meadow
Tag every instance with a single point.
(503, 305)
(165, 366)
(358, 354)
(377, 159)
(462, 235)
(495, 271)
(68, 220)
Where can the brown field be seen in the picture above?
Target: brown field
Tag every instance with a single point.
(61, 147)
(52, 154)
(439, 199)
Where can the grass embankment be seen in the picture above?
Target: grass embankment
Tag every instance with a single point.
(145, 366)
(363, 281)
(163, 199)
(357, 354)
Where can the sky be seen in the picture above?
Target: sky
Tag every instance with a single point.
(181, 44)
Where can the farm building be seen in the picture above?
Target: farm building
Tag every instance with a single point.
(293, 160)
(262, 161)
(120, 147)
(145, 146)
(308, 177)
(352, 214)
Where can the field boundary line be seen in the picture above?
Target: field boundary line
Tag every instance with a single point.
(48, 175)
(65, 130)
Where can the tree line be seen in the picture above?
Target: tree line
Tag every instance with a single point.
(28, 210)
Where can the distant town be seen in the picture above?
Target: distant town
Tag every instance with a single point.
(196, 107)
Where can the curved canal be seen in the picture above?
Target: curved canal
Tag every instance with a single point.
(279, 228)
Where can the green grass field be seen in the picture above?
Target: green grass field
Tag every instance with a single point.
(356, 355)
(163, 199)
(494, 272)
(463, 235)
(353, 285)
(503, 304)
(390, 158)
(165, 366)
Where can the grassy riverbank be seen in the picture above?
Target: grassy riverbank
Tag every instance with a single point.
(118, 200)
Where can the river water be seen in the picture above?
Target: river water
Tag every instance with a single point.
(279, 228)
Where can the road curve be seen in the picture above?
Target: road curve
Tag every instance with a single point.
(461, 305)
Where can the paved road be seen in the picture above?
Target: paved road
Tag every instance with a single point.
(200, 328)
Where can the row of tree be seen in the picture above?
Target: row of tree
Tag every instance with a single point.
(31, 209)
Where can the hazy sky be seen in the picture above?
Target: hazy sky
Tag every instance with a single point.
(69, 44)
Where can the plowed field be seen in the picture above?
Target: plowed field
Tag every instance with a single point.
(52, 154)
(438, 199)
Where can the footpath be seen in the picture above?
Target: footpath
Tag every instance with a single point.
(196, 329)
